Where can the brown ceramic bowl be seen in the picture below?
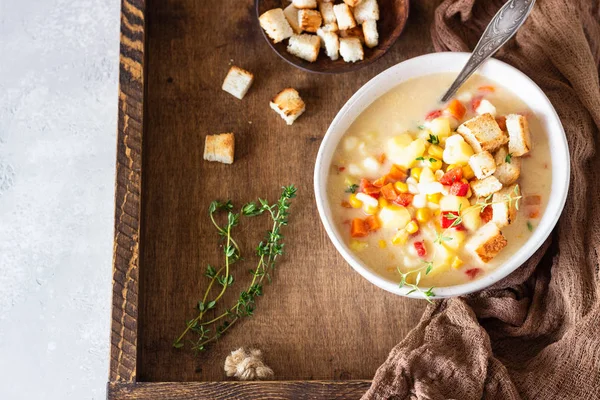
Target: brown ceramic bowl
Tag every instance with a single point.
(393, 17)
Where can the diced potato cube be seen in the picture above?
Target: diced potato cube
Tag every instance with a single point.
(457, 151)
(457, 238)
(405, 156)
(394, 217)
(472, 220)
(427, 175)
(454, 203)
(440, 127)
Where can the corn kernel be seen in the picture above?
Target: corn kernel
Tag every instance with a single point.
(357, 245)
(436, 151)
(354, 202)
(400, 237)
(469, 194)
(423, 215)
(415, 173)
(435, 165)
(412, 227)
(401, 187)
(452, 166)
(370, 210)
(434, 198)
(382, 202)
(468, 172)
(457, 263)
(382, 244)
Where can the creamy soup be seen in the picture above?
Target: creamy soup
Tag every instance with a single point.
(440, 194)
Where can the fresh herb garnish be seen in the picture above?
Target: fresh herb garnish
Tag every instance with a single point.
(352, 188)
(433, 139)
(421, 127)
(508, 158)
(529, 226)
(420, 159)
(432, 160)
(208, 330)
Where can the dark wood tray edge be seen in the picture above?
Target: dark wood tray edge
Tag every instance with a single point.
(123, 353)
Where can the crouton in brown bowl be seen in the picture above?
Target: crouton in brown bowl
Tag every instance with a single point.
(351, 33)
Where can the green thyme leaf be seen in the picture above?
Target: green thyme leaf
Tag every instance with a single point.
(352, 188)
(529, 226)
(433, 139)
(508, 158)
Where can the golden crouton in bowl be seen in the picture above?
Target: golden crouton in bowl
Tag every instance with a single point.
(331, 36)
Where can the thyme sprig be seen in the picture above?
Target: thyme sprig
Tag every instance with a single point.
(208, 330)
(457, 219)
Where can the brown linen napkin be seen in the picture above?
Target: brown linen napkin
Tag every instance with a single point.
(535, 335)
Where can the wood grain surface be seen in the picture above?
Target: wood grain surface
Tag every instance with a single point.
(318, 320)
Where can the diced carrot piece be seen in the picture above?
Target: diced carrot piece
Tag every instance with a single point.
(341, 169)
(358, 228)
(397, 173)
(368, 188)
(433, 115)
(475, 102)
(381, 158)
(456, 109)
(533, 200)
(345, 204)
(459, 189)
(381, 182)
(486, 214)
(388, 192)
(473, 272)
(420, 247)
(501, 122)
(487, 88)
(535, 213)
(372, 223)
(404, 199)
(454, 175)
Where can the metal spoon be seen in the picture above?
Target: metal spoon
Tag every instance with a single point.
(501, 28)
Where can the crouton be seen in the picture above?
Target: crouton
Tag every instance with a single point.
(237, 82)
(351, 49)
(331, 43)
(288, 104)
(291, 14)
(219, 148)
(482, 164)
(485, 107)
(370, 33)
(309, 20)
(504, 211)
(353, 32)
(304, 46)
(331, 27)
(519, 142)
(344, 17)
(276, 25)
(483, 133)
(485, 187)
(352, 3)
(487, 242)
(305, 3)
(366, 10)
(508, 169)
(327, 13)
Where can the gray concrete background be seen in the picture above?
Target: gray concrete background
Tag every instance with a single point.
(58, 114)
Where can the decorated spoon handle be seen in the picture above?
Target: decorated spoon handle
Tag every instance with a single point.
(501, 28)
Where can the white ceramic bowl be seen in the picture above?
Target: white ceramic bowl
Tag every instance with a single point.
(496, 70)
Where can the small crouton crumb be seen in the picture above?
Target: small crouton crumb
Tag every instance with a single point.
(485, 187)
(487, 242)
(309, 20)
(326, 9)
(508, 169)
(219, 148)
(366, 10)
(482, 164)
(276, 25)
(288, 104)
(305, 46)
(291, 14)
(351, 49)
(345, 19)
(482, 133)
(237, 82)
(519, 143)
(370, 33)
(305, 3)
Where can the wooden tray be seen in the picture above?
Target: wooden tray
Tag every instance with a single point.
(323, 329)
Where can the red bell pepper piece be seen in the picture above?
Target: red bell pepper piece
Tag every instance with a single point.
(388, 192)
(368, 188)
(473, 272)
(486, 214)
(459, 189)
(475, 102)
(454, 175)
(449, 218)
(433, 115)
(420, 247)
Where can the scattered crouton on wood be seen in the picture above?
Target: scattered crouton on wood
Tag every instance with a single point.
(309, 20)
(291, 14)
(288, 104)
(504, 211)
(487, 242)
(344, 17)
(219, 148)
(351, 49)
(482, 164)
(508, 169)
(366, 10)
(305, 46)
(237, 82)
(485, 187)
(276, 25)
(483, 133)
(519, 142)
